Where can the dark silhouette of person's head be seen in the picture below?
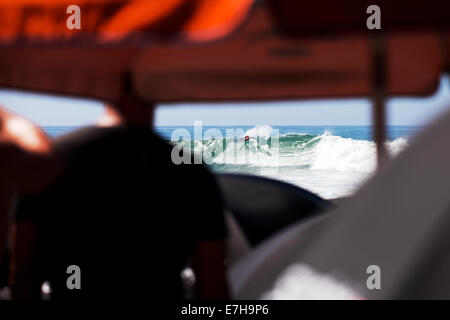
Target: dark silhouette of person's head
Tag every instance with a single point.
(133, 109)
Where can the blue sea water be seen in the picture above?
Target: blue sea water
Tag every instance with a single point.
(353, 132)
(332, 161)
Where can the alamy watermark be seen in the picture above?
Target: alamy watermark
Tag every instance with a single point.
(374, 20)
(231, 146)
(73, 21)
(74, 279)
(374, 280)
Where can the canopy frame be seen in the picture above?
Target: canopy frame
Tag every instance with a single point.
(379, 76)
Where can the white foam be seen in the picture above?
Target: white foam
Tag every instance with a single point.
(345, 154)
(260, 131)
(331, 166)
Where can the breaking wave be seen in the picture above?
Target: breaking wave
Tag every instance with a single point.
(266, 148)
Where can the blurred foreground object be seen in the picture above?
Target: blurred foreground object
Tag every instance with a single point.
(228, 50)
(26, 166)
(398, 221)
(222, 50)
(25, 152)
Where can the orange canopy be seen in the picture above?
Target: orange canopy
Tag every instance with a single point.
(107, 21)
(258, 63)
(177, 49)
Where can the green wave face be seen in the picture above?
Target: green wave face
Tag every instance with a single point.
(232, 151)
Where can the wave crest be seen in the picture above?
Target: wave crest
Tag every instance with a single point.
(315, 152)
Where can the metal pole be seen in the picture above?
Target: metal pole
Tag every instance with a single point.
(379, 77)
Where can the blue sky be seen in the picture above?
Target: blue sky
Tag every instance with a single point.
(53, 111)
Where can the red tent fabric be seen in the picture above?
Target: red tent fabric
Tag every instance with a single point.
(257, 63)
(301, 18)
(107, 21)
(230, 52)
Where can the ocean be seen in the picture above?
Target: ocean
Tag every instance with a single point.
(331, 161)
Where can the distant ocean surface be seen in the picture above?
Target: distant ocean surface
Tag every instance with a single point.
(331, 161)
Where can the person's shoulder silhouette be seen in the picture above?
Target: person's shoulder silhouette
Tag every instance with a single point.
(124, 213)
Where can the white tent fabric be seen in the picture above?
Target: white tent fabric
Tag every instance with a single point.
(399, 221)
